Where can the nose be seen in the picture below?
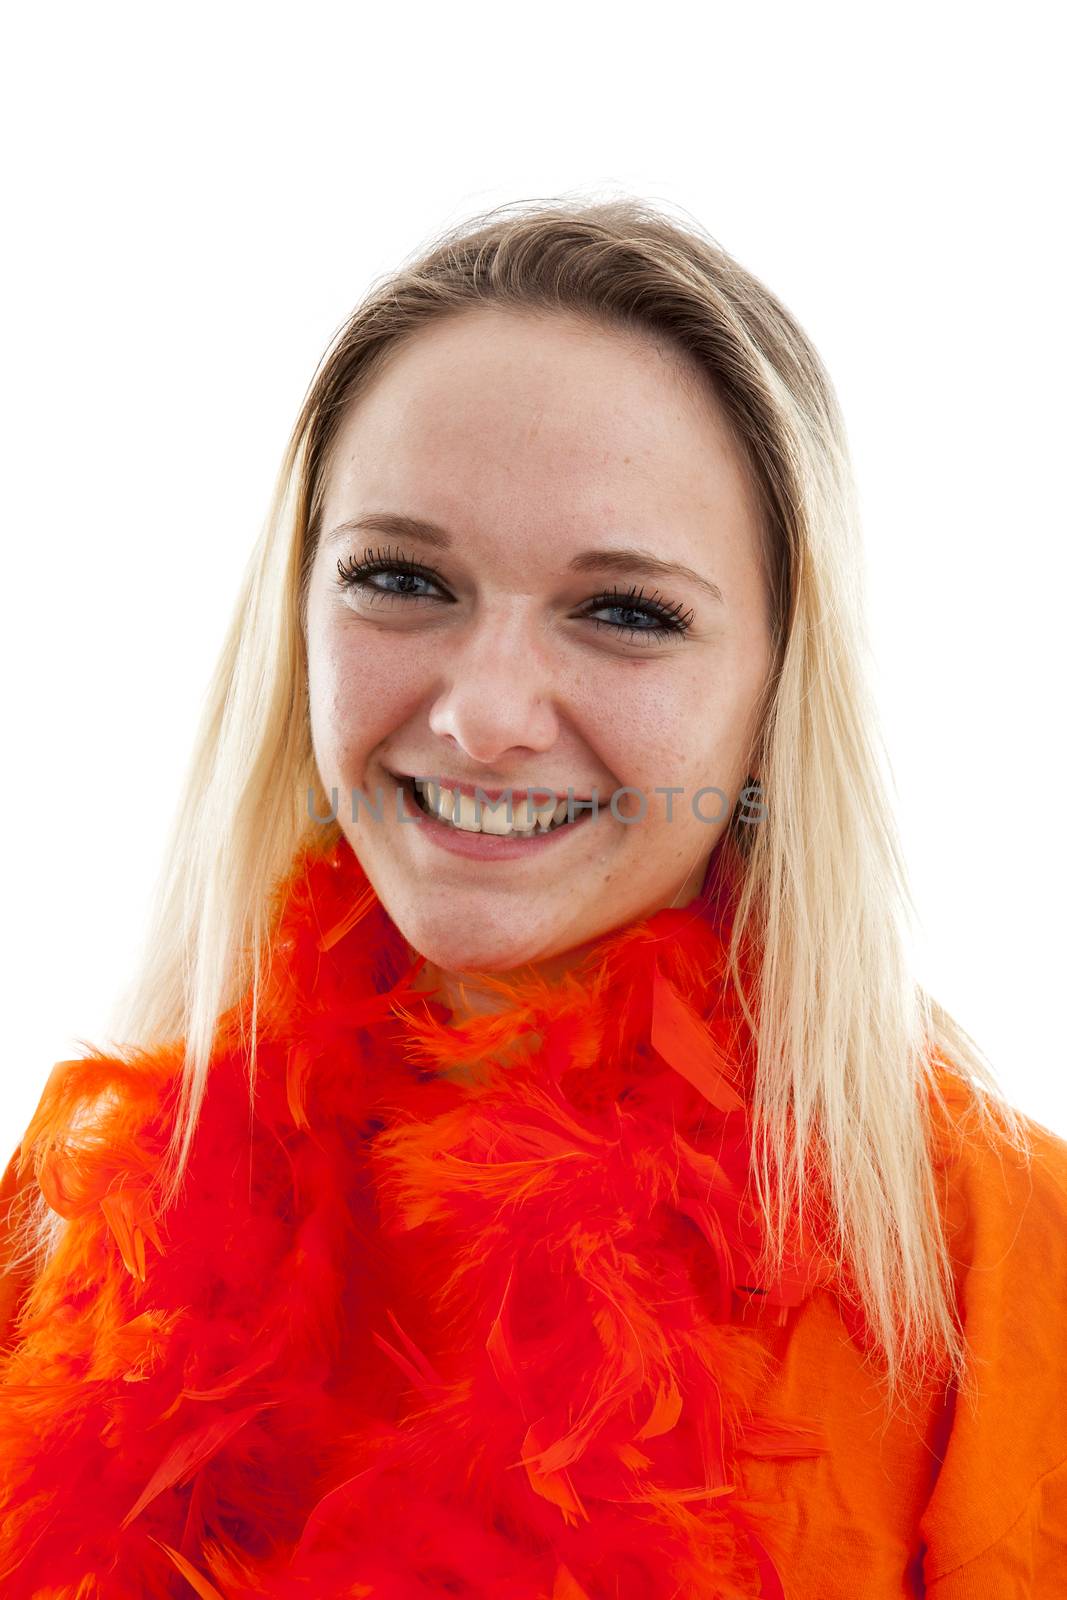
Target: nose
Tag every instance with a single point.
(499, 692)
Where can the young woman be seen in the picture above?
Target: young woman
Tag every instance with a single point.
(537, 1173)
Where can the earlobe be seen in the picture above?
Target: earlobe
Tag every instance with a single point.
(751, 806)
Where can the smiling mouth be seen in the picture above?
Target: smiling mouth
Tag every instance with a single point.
(461, 811)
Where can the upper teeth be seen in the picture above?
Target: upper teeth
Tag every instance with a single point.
(528, 815)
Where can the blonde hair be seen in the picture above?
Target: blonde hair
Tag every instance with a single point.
(845, 1034)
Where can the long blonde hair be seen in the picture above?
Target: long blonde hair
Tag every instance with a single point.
(845, 1033)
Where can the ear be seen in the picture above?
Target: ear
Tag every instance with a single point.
(751, 805)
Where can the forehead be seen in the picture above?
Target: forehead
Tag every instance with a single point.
(540, 423)
(496, 380)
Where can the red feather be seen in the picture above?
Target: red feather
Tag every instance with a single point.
(467, 1310)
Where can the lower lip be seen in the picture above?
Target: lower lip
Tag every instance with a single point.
(484, 846)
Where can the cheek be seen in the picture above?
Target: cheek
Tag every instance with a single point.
(362, 686)
(650, 721)
(690, 732)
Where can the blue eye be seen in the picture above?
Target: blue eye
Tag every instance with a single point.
(357, 575)
(668, 621)
(664, 620)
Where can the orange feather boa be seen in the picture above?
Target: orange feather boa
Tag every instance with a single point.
(461, 1308)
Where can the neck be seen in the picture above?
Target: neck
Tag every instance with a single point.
(465, 996)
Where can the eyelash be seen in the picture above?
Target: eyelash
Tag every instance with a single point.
(672, 621)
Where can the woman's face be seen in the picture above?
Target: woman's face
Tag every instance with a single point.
(540, 638)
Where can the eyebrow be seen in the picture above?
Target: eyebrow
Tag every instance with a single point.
(625, 561)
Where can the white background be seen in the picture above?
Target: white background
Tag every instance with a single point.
(195, 199)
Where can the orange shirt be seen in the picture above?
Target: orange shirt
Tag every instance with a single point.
(953, 1501)
(942, 1500)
